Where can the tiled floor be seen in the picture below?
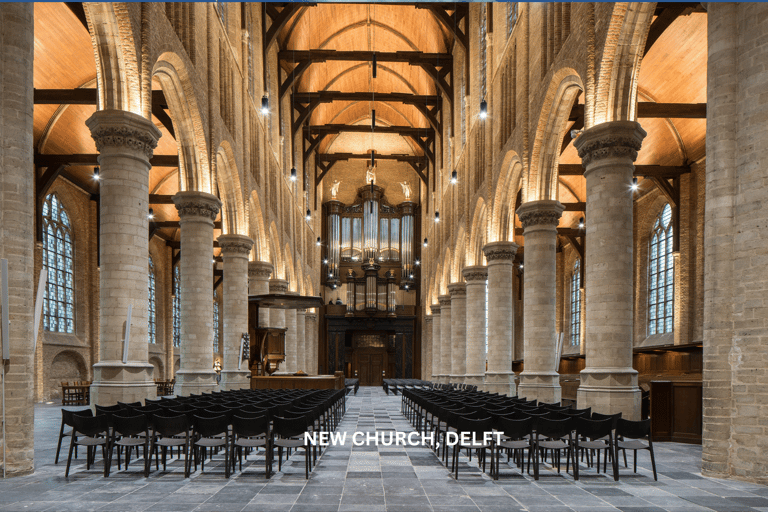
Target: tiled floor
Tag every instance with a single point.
(371, 478)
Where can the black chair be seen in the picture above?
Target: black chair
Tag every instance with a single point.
(475, 428)
(594, 435)
(66, 421)
(517, 437)
(169, 432)
(89, 432)
(251, 433)
(208, 434)
(289, 433)
(552, 435)
(630, 436)
(129, 432)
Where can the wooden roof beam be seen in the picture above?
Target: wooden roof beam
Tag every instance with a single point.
(645, 171)
(330, 157)
(650, 109)
(45, 160)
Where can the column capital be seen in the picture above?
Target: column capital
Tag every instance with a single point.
(540, 213)
(278, 286)
(301, 312)
(445, 301)
(503, 252)
(428, 319)
(260, 269)
(120, 129)
(192, 203)
(311, 316)
(457, 290)
(435, 308)
(615, 139)
(235, 245)
(477, 273)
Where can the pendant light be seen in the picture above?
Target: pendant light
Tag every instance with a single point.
(483, 109)
(265, 105)
(294, 174)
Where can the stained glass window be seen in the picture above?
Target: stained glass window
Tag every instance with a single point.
(151, 307)
(176, 306)
(576, 304)
(215, 322)
(661, 275)
(59, 303)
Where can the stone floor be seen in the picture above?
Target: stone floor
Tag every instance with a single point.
(370, 478)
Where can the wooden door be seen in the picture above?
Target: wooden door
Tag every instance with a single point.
(370, 363)
(377, 366)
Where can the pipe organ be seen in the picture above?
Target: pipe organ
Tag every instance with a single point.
(370, 250)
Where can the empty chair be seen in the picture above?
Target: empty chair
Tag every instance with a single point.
(89, 431)
(66, 421)
(517, 437)
(475, 428)
(208, 434)
(552, 435)
(169, 432)
(594, 435)
(289, 433)
(129, 432)
(251, 433)
(634, 435)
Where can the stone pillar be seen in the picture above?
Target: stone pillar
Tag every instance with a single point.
(540, 379)
(426, 341)
(609, 383)
(458, 293)
(125, 142)
(446, 348)
(17, 217)
(499, 377)
(301, 340)
(310, 330)
(437, 342)
(258, 284)
(277, 316)
(197, 211)
(235, 250)
(291, 339)
(475, 369)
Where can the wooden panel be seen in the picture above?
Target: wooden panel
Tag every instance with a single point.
(676, 409)
(294, 382)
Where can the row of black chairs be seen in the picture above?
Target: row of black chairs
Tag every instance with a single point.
(525, 428)
(395, 385)
(236, 422)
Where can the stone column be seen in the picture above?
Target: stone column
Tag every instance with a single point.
(277, 316)
(609, 383)
(446, 348)
(197, 211)
(499, 377)
(258, 284)
(125, 142)
(301, 340)
(291, 339)
(540, 379)
(475, 369)
(458, 293)
(310, 330)
(426, 342)
(437, 342)
(235, 250)
(17, 217)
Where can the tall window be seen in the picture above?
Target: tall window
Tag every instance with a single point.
(661, 276)
(483, 48)
(58, 306)
(576, 304)
(486, 320)
(463, 114)
(215, 322)
(151, 307)
(511, 17)
(176, 306)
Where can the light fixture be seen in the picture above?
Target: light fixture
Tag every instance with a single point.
(325, 261)
(417, 262)
(634, 184)
(437, 216)
(520, 267)
(151, 214)
(373, 157)
(406, 287)
(213, 260)
(318, 242)
(373, 68)
(411, 276)
(330, 274)
(294, 175)
(426, 243)
(373, 119)
(483, 109)
(581, 222)
(454, 177)
(264, 105)
(309, 214)
(96, 173)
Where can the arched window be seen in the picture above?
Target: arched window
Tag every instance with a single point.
(176, 306)
(151, 306)
(483, 49)
(59, 303)
(576, 304)
(215, 322)
(661, 276)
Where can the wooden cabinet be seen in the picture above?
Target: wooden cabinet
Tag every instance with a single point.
(676, 409)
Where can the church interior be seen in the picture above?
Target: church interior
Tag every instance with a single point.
(557, 202)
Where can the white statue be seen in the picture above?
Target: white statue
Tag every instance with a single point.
(370, 175)
(335, 188)
(406, 190)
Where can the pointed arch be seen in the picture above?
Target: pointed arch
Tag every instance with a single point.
(230, 191)
(275, 254)
(445, 276)
(290, 271)
(194, 166)
(460, 257)
(257, 229)
(478, 235)
(501, 225)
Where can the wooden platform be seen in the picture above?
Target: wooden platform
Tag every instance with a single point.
(296, 382)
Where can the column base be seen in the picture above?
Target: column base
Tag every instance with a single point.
(115, 381)
(542, 386)
(457, 379)
(235, 379)
(475, 380)
(500, 382)
(610, 390)
(190, 382)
